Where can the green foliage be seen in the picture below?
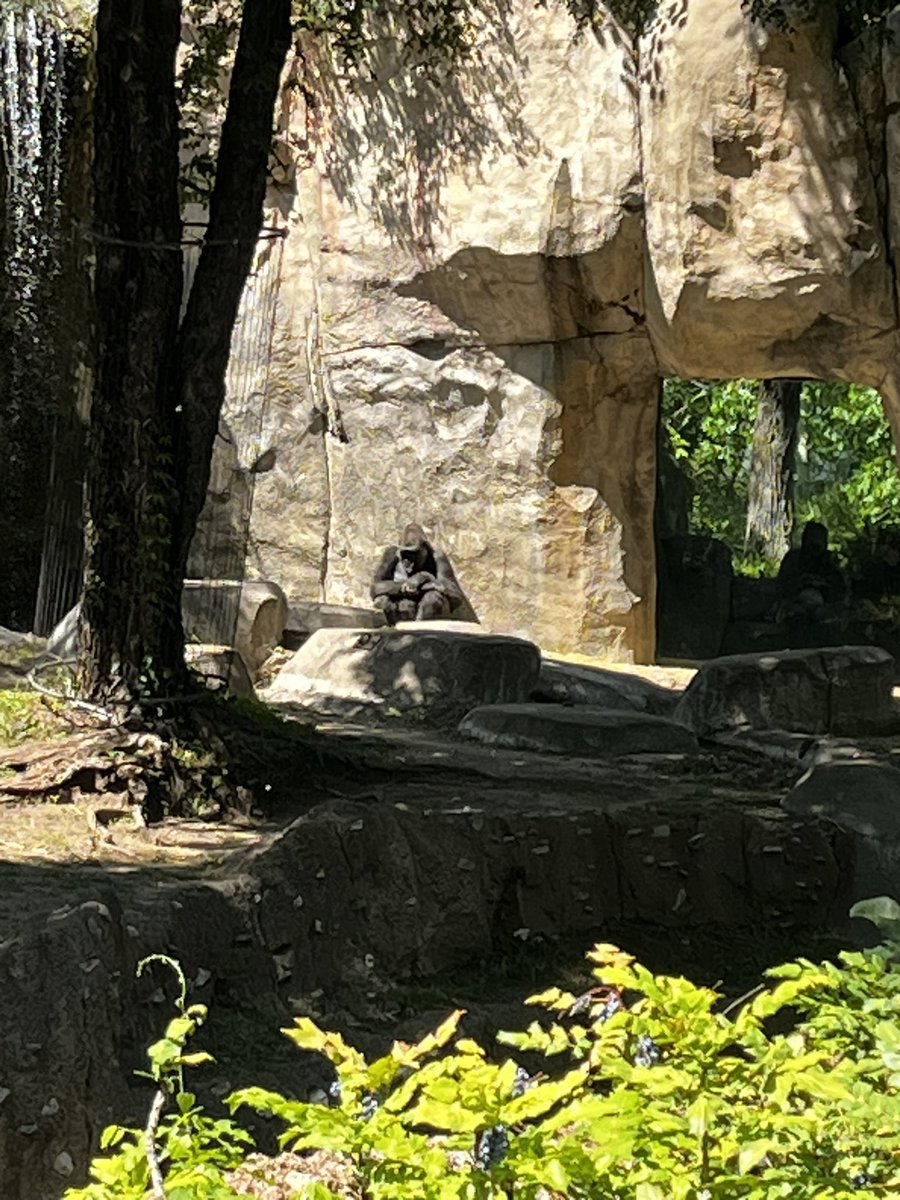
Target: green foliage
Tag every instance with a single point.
(649, 1090)
(193, 1150)
(851, 482)
(710, 432)
(847, 474)
(659, 1095)
(25, 715)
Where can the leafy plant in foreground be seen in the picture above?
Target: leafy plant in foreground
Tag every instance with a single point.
(191, 1150)
(647, 1089)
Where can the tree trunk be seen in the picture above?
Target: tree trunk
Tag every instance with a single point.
(770, 500)
(159, 390)
(235, 217)
(131, 635)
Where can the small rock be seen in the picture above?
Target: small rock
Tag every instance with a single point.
(63, 1164)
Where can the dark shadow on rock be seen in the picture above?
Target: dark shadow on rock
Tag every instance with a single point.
(414, 119)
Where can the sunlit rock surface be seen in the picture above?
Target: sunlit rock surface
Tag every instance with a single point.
(484, 279)
(434, 672)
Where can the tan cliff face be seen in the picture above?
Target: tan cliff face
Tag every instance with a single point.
(482, 284)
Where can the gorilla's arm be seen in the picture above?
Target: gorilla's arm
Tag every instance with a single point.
(445, 579)
(383, 582)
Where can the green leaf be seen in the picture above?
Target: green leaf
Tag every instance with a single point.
(883, 912)
(700, 1115)
(196, 1058)
(752, 1153)
(164, 1053)
(649, 1191)
(555, 1175)
(538, 1100)
(449, 1118)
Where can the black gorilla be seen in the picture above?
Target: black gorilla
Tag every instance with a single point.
(415, 581)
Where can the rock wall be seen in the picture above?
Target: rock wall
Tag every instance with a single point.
(483, 281)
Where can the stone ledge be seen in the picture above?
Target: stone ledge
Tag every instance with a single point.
(843, 690)
(582, 731)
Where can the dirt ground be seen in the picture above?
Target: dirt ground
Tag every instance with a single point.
(91, 829)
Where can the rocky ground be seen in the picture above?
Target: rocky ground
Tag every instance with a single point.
(426, 872)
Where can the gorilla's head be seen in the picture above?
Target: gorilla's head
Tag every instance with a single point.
(413, 549)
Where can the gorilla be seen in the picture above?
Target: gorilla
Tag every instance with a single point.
(415, 581)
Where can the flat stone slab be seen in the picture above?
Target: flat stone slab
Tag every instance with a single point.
(417, 668)
(844, 690)
(248, 614)
(582, 731)
(306, 616)
(571, 683)
(861, 795)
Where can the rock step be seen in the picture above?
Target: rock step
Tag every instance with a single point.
(352, 894)
(571, 683)
(581, 731)
(843, 690)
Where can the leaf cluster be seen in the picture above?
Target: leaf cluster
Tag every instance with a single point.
(648, 1089)
(195, 1150)
(856, 16)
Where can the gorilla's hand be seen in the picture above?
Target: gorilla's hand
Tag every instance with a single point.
(419, 581)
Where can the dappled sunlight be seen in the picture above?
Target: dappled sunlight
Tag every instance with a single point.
(104, 834)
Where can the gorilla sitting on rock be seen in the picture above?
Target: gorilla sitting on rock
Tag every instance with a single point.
(415, 581)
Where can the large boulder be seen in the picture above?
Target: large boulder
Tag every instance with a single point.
(67, 996)
(863, 797)
(765, 236)
(16, 641)
(422, 667)
(860, 795)
(569, 683)
(484, 366)
(846, 689)
(579, 732)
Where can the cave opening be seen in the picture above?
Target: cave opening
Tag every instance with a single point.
(744, 467)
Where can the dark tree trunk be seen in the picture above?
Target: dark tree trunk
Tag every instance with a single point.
(770, 501)
(131, 635)
(235, 217)
(159, 390)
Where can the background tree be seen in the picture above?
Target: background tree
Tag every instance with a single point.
(846, 466)
(770, 487)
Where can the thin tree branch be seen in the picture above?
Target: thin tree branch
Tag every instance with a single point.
(153, 1119)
